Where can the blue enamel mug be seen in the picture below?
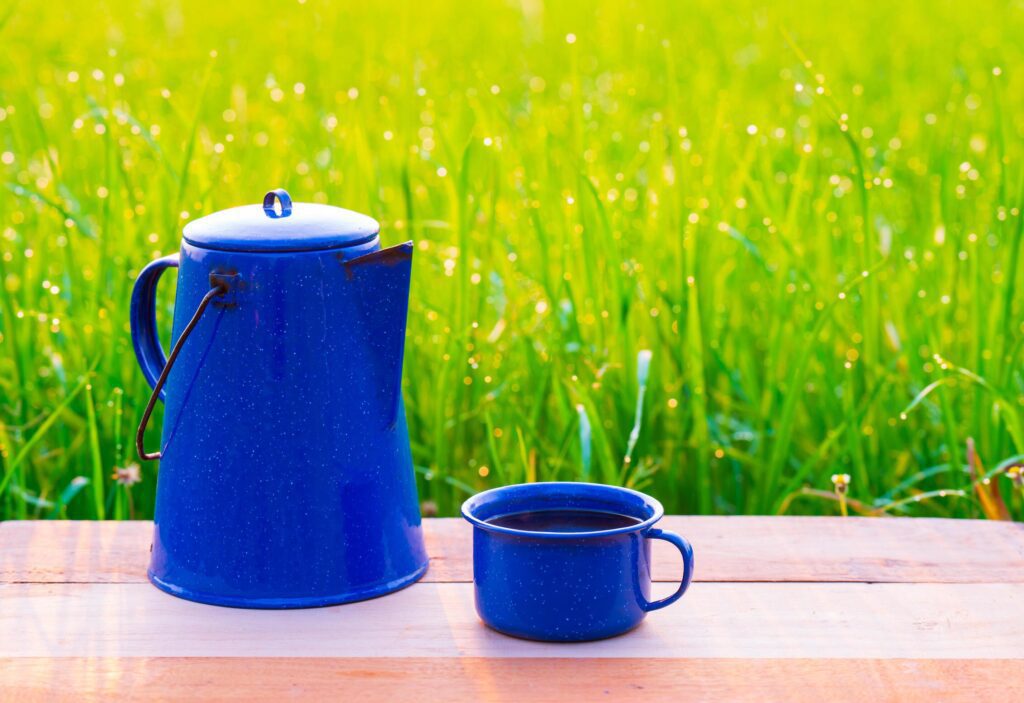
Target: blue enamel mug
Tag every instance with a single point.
(563, 578)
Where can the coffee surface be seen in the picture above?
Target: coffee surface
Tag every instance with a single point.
(563, 521)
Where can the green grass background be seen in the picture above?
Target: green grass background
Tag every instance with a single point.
(642, 233)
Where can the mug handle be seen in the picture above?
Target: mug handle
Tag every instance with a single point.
(148, 351)
(687, 551)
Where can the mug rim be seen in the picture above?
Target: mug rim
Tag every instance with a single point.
(473, 501)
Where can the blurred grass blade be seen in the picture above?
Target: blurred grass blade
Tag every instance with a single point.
(40, 432)
(585, 448)
(95, 455)
(643, 365)
(73, 488)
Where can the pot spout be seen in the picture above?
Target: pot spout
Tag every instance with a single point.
(381, 281)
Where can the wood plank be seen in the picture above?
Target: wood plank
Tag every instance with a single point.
(728, 549)
(68, 551)
(714, 620)
(476, 679)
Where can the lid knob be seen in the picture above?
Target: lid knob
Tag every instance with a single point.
(281, 195)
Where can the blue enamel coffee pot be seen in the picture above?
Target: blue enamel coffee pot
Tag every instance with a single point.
(285, 477)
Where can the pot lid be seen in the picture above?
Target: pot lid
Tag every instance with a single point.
(281, 225)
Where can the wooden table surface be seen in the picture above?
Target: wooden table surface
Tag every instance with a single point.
(787, 609)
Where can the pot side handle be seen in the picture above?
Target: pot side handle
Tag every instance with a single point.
(148, 351)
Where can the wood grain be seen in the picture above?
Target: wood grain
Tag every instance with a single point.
(789, 610)
(790, 549)
(714, 620)
(475, 679)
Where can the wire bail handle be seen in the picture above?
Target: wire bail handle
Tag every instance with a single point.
(219, 288)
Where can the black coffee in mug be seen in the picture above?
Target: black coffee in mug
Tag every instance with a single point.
(563, 521)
